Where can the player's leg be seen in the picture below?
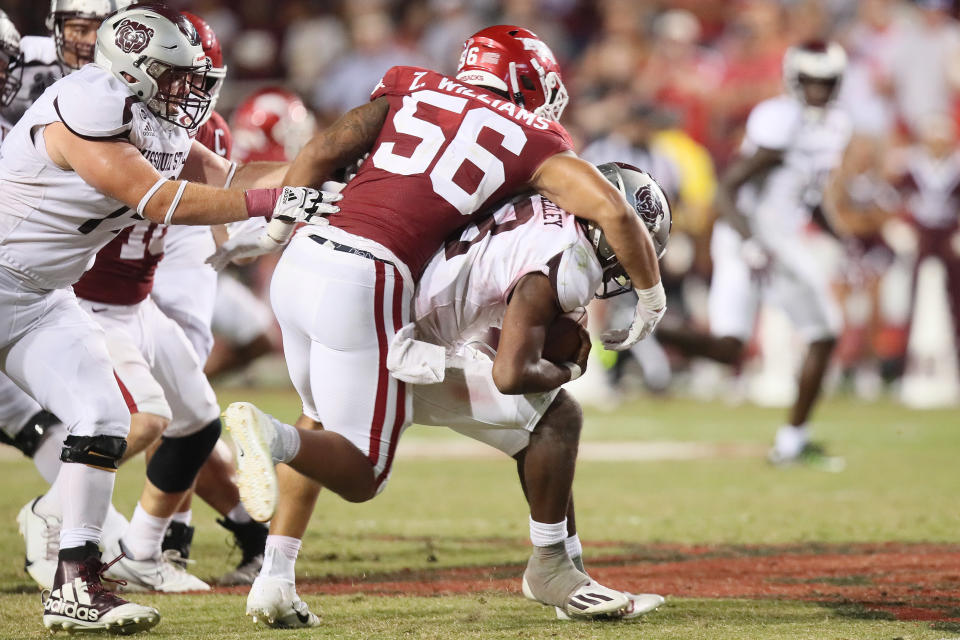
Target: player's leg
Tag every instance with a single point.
(732, 305)
(273, 597)
(61, 360)
(173, 466)
(542, 431)
(803, 292)
(362, 407)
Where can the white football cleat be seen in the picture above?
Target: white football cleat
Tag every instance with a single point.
(252, 433)
(153, 574)
(41, 536)
(274, 602)
(640, 603)
(588, 601)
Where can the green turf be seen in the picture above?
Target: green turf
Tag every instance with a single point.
(900, 484)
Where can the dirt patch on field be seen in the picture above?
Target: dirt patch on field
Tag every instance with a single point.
(893, 580)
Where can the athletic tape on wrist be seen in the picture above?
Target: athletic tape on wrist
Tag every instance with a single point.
(230, 173)
(176, 200)
(654, 298)
(261, 202)
(575, 370)
(149, 194)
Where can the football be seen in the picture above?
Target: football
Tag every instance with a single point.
(562, 343)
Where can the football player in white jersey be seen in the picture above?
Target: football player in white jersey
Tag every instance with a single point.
(766, 197)
(482, 311)
(45, 59)
(98, 150)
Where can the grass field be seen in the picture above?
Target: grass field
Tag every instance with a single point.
(740, 550)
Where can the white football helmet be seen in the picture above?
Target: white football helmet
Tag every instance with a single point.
(813, 61)
(157, 52)
(649, 202)
(63, 10)
(10, 71)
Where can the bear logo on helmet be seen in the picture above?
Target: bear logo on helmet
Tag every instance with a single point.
(132, 37)
(648, 207)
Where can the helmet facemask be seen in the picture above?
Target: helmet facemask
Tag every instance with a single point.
(554, 93)
(10, 77)
(182, 95)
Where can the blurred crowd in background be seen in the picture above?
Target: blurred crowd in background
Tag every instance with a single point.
(667, 85)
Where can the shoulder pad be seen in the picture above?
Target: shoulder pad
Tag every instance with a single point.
(772, 123)
(94, 105)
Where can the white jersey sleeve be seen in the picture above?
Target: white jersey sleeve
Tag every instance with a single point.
(109, 118)
(773, 123)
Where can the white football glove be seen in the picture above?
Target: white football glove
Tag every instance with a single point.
(651, 305)
(302, 204)
(295, 205)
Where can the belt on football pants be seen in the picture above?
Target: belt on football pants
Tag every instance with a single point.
(336, 246)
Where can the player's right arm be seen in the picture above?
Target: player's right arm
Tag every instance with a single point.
(575, 185)
(340, 144)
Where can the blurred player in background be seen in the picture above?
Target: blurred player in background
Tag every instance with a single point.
(929, 181)
(45, 59)
(860, 202)
(765, 199)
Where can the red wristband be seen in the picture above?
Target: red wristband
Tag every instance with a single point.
(260, 202)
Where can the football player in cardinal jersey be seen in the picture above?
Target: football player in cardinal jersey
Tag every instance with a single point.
(100, 149)
(765, 200)
(481, 314)
(441, 151)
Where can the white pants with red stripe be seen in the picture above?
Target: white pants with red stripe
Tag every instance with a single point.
(338, 312)
(52, 350)
(158, 369)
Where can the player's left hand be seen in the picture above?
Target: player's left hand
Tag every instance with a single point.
(250, 245)
(651, 305)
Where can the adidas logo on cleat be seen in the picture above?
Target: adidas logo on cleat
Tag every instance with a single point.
(72, 600)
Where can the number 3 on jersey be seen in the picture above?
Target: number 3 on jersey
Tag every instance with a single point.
(463, 147)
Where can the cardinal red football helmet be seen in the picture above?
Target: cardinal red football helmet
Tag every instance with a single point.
(211, 47)
(271, 124)
(517, 63)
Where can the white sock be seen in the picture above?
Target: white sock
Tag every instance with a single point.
(286, 445)
(544, 535)
(280, 557)
(183, 517)
(574, 548)
(85, 495)
(239, 514)
(790, 440)
(144, 536)
(47, 457)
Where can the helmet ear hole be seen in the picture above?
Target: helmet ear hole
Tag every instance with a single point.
(527, 83)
